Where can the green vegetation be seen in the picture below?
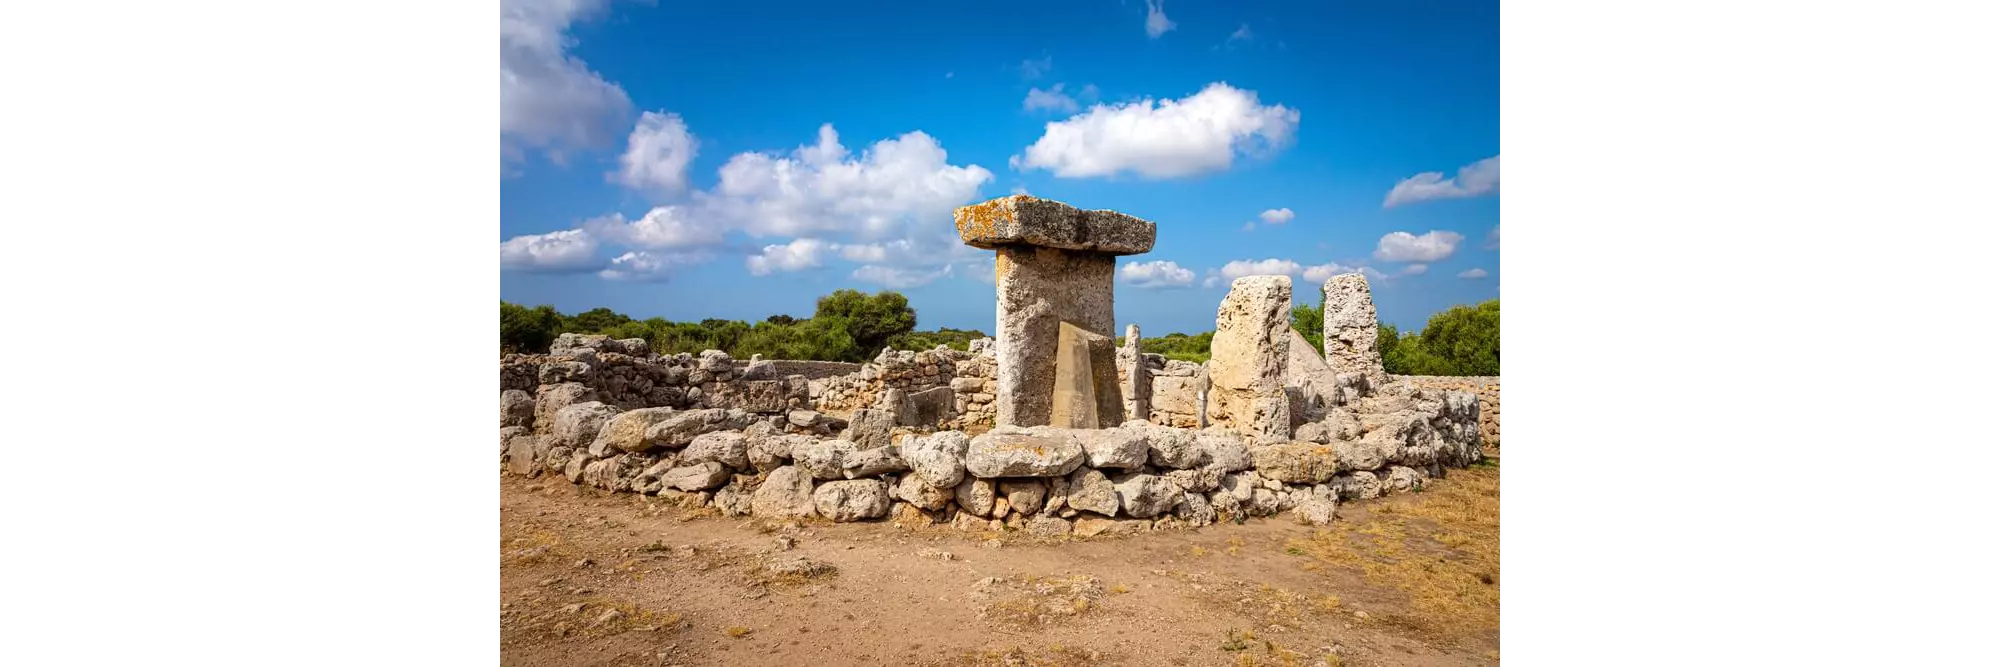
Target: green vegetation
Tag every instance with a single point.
(1309, 321)
(1176, 346)
(846, 325)
(1462, 341)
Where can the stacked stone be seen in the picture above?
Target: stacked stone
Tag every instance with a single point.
(892, 369)
(974, 385)
(1177, 390)
(597, 368)
(1486, 388)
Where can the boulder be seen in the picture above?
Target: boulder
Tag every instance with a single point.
(769, 452)
(1142, 495)
(1360, 485)
(938, 459)
(869, 428)
(1224, 449)
(734, 500)
(1203, 479)
(1094, 526)
(764, 396)
(928, 408)
(1296, 462)
(524, 454)
(975, 496)
(1125, 447)
(915, 491)
(1246, 369)
(1364, 454)
(1089, 490)
(872, 462)
(680, 428)
(697, 477)
(1048, 526)
(626, 432)
(1402, 478)
(728, 448)
(507, 434)
(550, 399)
(1023, 495)
(852, 500)
(998, 454)
(1194, 509)
(823, 459)
(517, 408)
(1317, 507)
(786, 492)
(577, 425)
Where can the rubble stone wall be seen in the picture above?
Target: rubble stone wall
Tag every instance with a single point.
(1487, 388)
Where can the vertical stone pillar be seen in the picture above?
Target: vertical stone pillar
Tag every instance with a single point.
(1349, 328)
(1053, 265)
(1138, 379)
(1246, 367)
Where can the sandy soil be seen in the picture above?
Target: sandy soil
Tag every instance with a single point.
(591, 578)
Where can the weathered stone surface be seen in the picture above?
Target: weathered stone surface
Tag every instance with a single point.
(626, 432)
(998, 454)
(550, 399)
(975, 495)
(1048, 526)
(1348, 328)
(577, 425)
(1318, 506)
(1296, 462)
(734, 500)
(1360, 485)
(728, 448)
(1137, 386)
(1125, 447)
(1318, 388)
(1094, 526)
(1083, 358)
(1226, 449)
(852, 500)
(1091, 491)
(1039, 289)
(1367, 454)
(764, 396)
(770, 452)
(1021, 220)
(524, 454)
(915, 491)
(823, 459)
(507, 434)
(1203, 479)
(680, 428)
(1142, 495)
(869, 428)
(786, 492)
(1402, 478)
(872, 462)
(1175, 448)
(1195, 509)
(1246, 372)
(1024, 495)
(939, 458)
(928, 408)
(517, 408)
(697, 477)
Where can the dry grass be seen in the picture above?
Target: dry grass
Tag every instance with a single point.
(1441, 548)
(736, 631)
(1053, 656)
(1036, 601)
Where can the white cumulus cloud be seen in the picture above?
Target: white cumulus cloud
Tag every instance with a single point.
(1319, 274)
(892, 185)
(799, 255)
(897, 277)
(1472, 274)
(1246, 267)
(1158, 274)
(1276, 216)
(1197, 134)
(1407, 247)
(1053, 99)
(1156, 19)
(661, 227)
(550, 100)
(566, 251)
(657, 155)
(1474, 179)
(644, 266)
(1415, 269)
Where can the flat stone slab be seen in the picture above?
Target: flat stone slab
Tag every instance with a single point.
(1025, 220)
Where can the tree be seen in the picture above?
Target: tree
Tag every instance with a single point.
(528, 329)
(595, 320)
(782, 318)
(870, 320)
(1464, 340)
(1310, 321)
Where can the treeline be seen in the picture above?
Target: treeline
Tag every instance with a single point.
(1464, 340)
(846, 325)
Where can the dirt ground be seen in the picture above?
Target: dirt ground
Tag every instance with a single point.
(593, 578)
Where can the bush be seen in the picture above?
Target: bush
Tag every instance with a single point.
(847, 326)
(1464, 340)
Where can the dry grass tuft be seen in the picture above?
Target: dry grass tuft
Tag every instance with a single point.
(1038, 601)
(736, 631)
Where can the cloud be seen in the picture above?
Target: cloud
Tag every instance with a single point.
(550, 100)
(1242, 34)
(662, 227)
(1493, 238)
(1052, 99)
(1156, 19)
(657, 155)
(566, 251)
(1415, 269)
(1155, 275)
(894, 184)
(1276, 216)
(1034, 69)
(1198, 134)
(643, 266)
(1472, 274)
(1407, 247)
(1245, 267)
(1320, 273)
(1249, 227)
(1474, 179)
(981, 273)
(898, 278)
(799, 255)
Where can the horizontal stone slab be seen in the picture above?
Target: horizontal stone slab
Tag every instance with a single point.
(1025, 220)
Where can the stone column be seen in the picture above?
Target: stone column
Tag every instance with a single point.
(1246, 367)
(1053, 264)
(1138, 379)
(1349, 328)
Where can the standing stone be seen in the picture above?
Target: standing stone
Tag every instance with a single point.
(1349, 328)
(1053, 264)
(1246, 371)
(1138, 387)
(1078, 402)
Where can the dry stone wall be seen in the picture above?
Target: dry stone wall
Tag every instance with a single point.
(1487, 388)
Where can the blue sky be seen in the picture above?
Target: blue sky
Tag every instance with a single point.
(674, 160)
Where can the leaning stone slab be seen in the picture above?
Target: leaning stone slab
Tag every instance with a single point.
(995, 454)
(1032, 221)
(869, 428)
(1081, 398)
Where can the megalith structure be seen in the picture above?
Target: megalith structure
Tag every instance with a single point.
(1348, 328)
(1053, 264)
(1138, 378)
(1246, 367)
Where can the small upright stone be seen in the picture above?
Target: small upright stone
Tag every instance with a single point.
(1349, 328)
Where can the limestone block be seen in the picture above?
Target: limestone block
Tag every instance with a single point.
(1246, 369)
(1038, 290)
(1025, 220)
(1079, 398)
(1349, 327)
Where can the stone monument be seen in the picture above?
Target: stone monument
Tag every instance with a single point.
(1348, 330)
(1053, 264)
(1246, 370)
